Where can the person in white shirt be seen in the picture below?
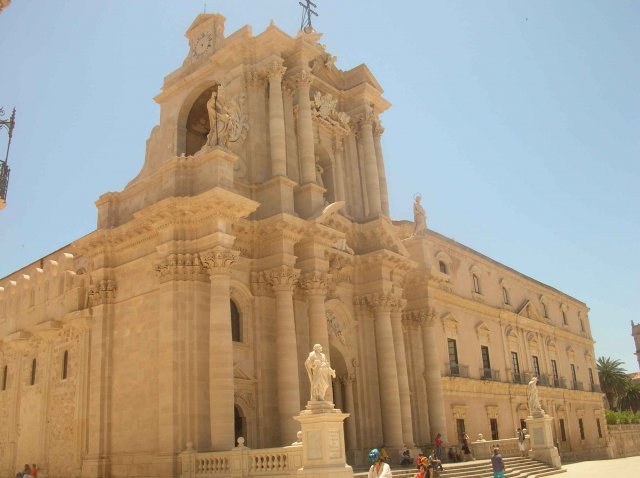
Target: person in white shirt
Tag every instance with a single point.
(379, 469)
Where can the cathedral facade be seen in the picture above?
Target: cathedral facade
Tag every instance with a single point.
(257, 227)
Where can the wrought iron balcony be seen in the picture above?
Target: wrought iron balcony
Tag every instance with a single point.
(519, 377)
(489, 374)
(456, 370)
(559, 382)
(544, 380)
(577, 385)
(595, 387)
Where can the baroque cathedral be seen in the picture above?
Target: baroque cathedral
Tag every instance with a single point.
(257, 227)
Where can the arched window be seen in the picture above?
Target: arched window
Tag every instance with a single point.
(505, 295)
(65, 363)
(33, 372)
(5, 373)
(236, 331)
(443, 267)
(476, 284)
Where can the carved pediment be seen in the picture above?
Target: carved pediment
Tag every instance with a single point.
(483, 332)
(450, 324)
(530, 311)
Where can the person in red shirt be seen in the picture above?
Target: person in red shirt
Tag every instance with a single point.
(34, 471)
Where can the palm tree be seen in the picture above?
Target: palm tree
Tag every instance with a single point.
(630, 398)
(613, 378)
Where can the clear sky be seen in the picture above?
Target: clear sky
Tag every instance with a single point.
(517, 120)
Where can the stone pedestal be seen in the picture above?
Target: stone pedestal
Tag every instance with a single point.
(541, 437)
(323, 442)
(275, 196)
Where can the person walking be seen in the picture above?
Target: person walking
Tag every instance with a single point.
(465, 448)
(497, 463)
(439, 443)
(521, 437)
(379, 468)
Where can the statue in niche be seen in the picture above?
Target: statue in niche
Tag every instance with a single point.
(319, 172)
(419, 217)
(532, 398)
(320, 373)
(227, 120)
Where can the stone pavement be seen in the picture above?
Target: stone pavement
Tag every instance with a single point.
(619, 468)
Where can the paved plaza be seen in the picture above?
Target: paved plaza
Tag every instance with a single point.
(619, 468)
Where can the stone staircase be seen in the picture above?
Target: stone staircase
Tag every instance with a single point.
(516, 467)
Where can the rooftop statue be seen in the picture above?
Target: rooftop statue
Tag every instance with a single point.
(419, 217)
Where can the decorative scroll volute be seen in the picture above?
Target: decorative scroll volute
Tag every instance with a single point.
(218, 260)
(282, 278)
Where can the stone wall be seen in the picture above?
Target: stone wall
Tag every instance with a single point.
(624, 440)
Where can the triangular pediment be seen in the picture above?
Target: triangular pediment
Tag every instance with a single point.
(529, 310)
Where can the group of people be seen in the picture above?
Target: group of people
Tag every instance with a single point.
(28, 471)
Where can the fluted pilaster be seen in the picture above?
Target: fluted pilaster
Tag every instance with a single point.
(403, 379)
(305, 129)
(432, 374)
(372, 179)
(277, 137)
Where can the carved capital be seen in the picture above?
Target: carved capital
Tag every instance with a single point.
(420, 317)
(275, 71)
(254, 79)
(282, 278)
(315, 283)
(102, 292)
(385, 302)
(377, 128)
(218, 260)
(181, 267)
(368, 118)
(303, 79)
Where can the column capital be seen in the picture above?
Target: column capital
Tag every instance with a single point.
(421, 317)
(368, 118)
(315, 282)
(383, 301)
(254, 79)
(282, 278)
(101, 292)
(377, 127)
(275, 71)
(302, 79)
(181, 267)
(219, 260)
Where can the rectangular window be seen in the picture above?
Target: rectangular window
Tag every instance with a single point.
(554, 370)
(494, 429)
(591, 378)
(581, 425)
(65, 364)
(564, 318)
(476, 284)
(460, 429)
(599, 429)
(33, 372)
(536, 366)
(545, 312)
(516, 367)
(563, 433)
(5, 373)
(453, 356)
(505, 295)
(573, 376)
(486, 363)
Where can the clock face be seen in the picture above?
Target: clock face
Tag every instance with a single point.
(203, 42)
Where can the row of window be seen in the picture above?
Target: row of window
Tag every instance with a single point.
(505, 296)
(493, 425)
(518, 377)
(34, 367)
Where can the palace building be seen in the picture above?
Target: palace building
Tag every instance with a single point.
(257, 227)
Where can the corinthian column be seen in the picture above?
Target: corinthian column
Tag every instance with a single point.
(315, 285)
(372, 180)
(403, 379)
(282, 279)
(275, 72)
(305, 130)
(221, 384)
(384, 195)
(387, 370)
(433, 376)
(349, 407)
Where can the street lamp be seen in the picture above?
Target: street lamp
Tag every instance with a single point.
(4, 164)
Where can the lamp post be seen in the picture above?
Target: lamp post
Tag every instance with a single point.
(4, 164)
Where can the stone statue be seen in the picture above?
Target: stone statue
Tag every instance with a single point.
(532, 398)
(227, 120)
(320, 373)
(299, 441)
(419, 217)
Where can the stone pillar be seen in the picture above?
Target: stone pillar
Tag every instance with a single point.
(372, 179)
(349, 407)
(315, 285)
(387, 370)
(541, 439)
(403, 379)
(382, 177)
(433, 377)
(305, 130)
(221, 383)
(419, 394)
(309, 196)
(277, 137)
(283, 279)
(340, 170)
(337, 393)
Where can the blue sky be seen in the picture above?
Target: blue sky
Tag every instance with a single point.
(519, 121)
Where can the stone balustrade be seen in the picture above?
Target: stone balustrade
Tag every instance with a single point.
(241, 462)
(482, 450)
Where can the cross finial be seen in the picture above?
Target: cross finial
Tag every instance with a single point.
(307, 11)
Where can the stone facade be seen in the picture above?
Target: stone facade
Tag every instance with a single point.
(257, 227)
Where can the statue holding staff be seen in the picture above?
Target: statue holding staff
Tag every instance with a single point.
(320, 373)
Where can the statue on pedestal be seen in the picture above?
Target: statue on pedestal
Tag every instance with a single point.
(532, 398)
(320, 373)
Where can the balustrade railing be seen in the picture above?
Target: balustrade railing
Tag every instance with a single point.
(456, 370)
(595, 387)
(489, 374)
(577, 385)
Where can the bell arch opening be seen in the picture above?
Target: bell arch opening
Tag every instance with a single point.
(197, 126)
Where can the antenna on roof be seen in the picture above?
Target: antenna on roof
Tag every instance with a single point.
(307, 11)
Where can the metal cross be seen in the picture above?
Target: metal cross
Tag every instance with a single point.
(307, 11)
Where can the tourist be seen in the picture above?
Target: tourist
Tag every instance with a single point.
(34, 471)
(497, 464)
(435, 462)
(405, 456)
(465, 448)
(383, 454)
(439, 450)
(521, 436)
(419, 459)
(423, 468)
(379, 468)
(26, 472)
